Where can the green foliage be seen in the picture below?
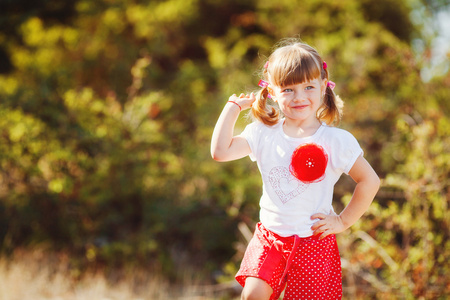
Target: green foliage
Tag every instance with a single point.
(106, 118)
(410, 228)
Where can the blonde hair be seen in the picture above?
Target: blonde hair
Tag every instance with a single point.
(294, 62)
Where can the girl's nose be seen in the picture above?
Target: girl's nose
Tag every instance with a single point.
(299, 95)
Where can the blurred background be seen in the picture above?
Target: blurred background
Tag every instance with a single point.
(107, 187)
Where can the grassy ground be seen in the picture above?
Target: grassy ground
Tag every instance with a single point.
(37, 275)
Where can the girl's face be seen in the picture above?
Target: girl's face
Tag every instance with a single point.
(300, 102)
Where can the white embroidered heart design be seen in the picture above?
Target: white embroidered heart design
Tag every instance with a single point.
(288, 186)
(285, 185)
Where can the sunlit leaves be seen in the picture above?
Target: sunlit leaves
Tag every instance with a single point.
(411, 227)
(150, 19)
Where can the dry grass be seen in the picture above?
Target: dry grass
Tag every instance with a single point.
(37, 275)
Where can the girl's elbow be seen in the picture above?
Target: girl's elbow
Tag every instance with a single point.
(217, 155)
(376, 179)
(371, 182)
(214, 155)
(376, 182)
(222, 155)
(373, 179)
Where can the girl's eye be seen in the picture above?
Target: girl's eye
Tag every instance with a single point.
(309, 87)
(287, 90)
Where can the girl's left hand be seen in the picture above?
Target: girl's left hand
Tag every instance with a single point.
(327, 224)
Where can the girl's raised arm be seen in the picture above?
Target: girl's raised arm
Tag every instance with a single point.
(225, 146)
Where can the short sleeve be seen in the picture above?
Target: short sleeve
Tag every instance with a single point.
(250, 134)
(345, 151)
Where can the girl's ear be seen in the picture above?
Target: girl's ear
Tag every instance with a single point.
(324, 85)
(271, 93)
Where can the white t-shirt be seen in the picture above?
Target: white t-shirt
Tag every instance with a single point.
(287, 203)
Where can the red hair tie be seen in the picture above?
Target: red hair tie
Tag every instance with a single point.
(263, 83)
(331, 84)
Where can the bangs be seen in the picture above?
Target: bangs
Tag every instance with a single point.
(293, 66)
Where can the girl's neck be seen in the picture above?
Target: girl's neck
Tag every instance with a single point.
(300, 129)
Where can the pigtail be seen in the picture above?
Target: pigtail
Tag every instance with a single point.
(262, 111)
(331, 109)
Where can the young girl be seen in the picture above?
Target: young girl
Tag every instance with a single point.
(300, 157)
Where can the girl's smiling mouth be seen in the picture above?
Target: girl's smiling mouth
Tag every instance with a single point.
(299, 106)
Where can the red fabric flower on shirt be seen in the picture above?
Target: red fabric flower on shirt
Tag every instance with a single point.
(308, 163)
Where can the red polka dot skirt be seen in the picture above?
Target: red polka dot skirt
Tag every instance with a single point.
(308, 268)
